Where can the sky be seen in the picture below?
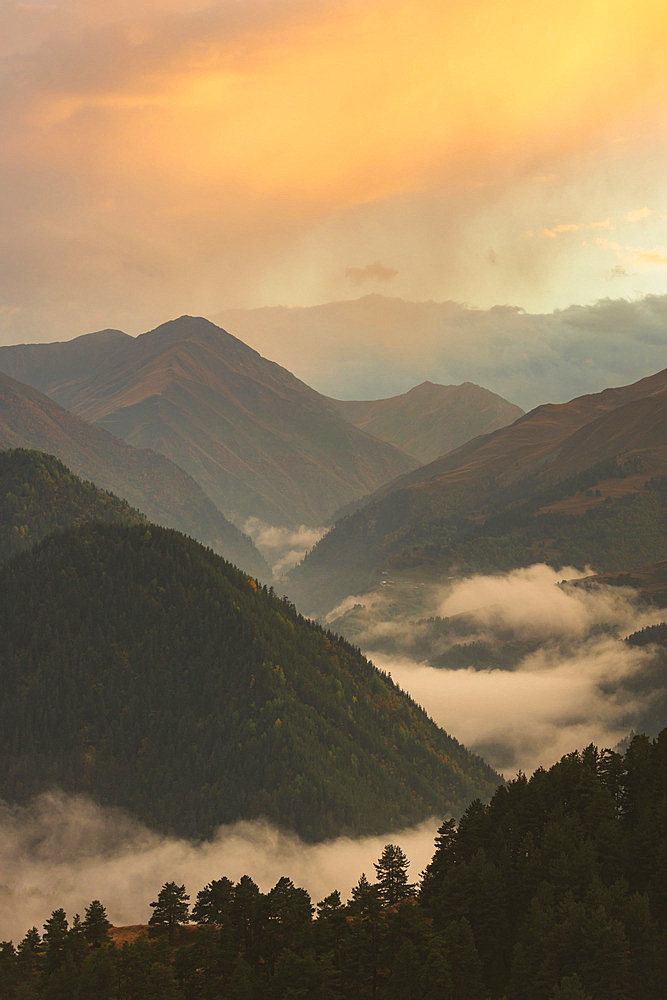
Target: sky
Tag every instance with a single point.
(162, 157)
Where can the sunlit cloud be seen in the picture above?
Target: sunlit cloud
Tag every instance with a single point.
(159, 158)
(371, 272)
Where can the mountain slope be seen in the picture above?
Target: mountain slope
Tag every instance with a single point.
(574, 483)
(430, 420)
(260, 442)
(39, 495)
(159, 678)
(149, 482)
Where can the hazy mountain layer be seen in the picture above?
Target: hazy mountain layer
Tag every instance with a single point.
(142, 669)
(150, 482)
(380, 345)
(430, 420)
(260, 442)
(39, 495)
(579, 482)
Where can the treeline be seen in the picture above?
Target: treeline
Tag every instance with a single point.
(555, 890)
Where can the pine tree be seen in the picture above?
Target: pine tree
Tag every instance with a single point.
(96, 924)
(170, 908)
(391, 870)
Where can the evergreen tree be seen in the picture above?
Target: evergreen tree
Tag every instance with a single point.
(96, 924)
(391, 869)
(170, 908)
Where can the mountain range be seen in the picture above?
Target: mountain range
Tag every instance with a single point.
(576, 483)
(147, 480)
(258, 441)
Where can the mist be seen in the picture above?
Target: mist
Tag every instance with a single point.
(64, 851)
(521, 667)
(283, 548)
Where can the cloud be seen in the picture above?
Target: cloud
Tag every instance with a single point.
(639, 214)
(531, 716)
(568, 678)
(282, 547)
(305, 140)
(530, 603)
(652, 257)
(63, 850)
(371, 272)
(359, 349)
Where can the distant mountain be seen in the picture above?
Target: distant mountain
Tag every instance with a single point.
(380, 345)
(430, 420)
(149, 482)
(141, 669)
(576, 483)
(38, 495)
(259, 442)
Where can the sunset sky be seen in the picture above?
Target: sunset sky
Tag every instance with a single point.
(161, 157)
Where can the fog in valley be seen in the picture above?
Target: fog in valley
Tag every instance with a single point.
(559, 676)
(282, 547)
(63, 850)
(540, 667)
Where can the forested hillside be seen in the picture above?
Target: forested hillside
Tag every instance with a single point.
(140, 668)
(556, 890)
(39, 495)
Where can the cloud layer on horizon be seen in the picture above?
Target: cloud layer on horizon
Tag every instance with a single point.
(377, 346)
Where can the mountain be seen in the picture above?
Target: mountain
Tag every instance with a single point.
(142, 669)
(574, 483)
(430, 420)
(149, 482)
(38, 495)
(259, 442)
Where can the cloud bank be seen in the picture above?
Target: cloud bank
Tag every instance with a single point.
(63, 850)
(539, 668)
(378, 346)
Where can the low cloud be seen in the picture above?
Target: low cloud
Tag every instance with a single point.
(530, 603)
(371, 272)
(282, 547)
(63, 850)
(520, 667)
(529, 717)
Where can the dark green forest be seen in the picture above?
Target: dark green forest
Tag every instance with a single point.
(555, 890)
(38, 495)
(140, 668)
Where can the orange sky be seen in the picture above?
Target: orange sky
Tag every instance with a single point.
(168, 157)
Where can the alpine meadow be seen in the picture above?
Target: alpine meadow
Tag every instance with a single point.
(333, 485)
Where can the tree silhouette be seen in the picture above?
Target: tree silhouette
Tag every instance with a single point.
(392, 875)
(170, 908)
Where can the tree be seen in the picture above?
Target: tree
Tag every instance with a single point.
(55, 938)
(214, 902)
(391, 870)
(96, 924)
(170, 908)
